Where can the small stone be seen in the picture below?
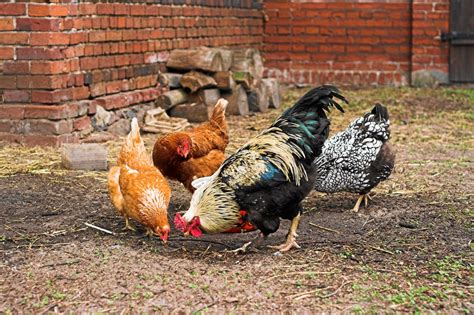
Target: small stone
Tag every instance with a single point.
(101, 119)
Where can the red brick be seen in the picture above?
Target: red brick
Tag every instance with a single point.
(12, 111)
(12, 138)
(7, 82)
(16, 96)
(6, 24)
(105, 8)
(37, 24)
(16, 67)
(87, 9)
(51, 97)
(53, 112)
(38, 53)
(13, 9)
(82, 123)
(49, 67)
(80, 93)
(52, 140)
(43, 39)
(89, 63)
(14, 38)
(48, 127)
(48, 10)
(6, 53)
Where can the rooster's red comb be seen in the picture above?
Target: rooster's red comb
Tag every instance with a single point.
(179, 222)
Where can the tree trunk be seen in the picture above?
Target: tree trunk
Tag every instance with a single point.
(171, 98)
(258, 99)
(224, 80)
(188, 59)
(273, 92)
(238, 103)
(195, 81)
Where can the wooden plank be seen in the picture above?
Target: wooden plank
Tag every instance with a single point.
(84, 156)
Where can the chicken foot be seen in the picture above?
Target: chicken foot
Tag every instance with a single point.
(128, 226)
(365, 198)
(291, 237)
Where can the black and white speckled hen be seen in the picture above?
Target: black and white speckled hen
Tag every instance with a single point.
(358, 158)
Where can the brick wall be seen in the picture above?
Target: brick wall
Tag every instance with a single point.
(355, 42)
(430, 58)
(59, 61)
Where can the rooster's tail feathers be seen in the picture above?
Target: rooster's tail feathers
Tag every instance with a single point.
(218, 114)
(380, 112)
(322, 97)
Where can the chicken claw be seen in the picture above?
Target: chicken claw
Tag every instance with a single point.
(128, 226)
(291, 238)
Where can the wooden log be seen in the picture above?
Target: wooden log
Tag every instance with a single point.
(195, 59)
(195, 81)
(227, 56)
(273, 92)
(238, 103)
(170, 80)
(224, 80)
(245, 79)
(84, 156)
(193, 112)
(171, 98)
(207, 96)
(258, 99)
(248, 60)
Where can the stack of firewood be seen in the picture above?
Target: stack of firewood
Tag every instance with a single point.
(197, 78)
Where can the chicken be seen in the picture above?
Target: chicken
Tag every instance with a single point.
(185, 156)
(268, 177)
(137, 189)
(358, 158)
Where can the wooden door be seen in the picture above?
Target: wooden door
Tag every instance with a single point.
(461, 51)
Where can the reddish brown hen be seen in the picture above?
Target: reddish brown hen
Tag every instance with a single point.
(187, 155)
(137, 189)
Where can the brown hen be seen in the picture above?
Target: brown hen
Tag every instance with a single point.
(187, 155)
(137, 189)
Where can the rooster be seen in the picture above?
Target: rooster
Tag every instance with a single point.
(358, 158)
(268, 177)
(185, 156)
(137, 189)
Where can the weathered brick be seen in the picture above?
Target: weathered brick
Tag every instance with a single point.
(6, 24)
(49, 67)
(16, 96)
(14, 38)
(49, 39)
(16, 67)
(7, 82)
(13, 9)
(37, 24)
(82, 123)
(12, 111)
(51, 140)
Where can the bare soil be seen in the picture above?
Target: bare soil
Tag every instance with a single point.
(410, 250)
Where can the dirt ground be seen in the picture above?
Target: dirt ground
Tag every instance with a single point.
(410, 250)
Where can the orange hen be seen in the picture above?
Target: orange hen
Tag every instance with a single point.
(137, 189)
(187, 155)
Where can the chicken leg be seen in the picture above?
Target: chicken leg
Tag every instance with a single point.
(364, 197)
(291, 237)
(128, 226)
